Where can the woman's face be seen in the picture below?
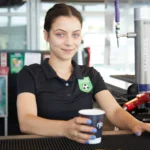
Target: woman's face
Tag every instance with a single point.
(65, 37)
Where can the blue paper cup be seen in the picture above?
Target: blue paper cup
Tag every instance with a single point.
(96, 116)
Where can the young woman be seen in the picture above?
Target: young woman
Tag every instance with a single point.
(50, 94)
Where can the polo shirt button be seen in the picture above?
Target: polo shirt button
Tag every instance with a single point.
(68, 94)
(67, 84)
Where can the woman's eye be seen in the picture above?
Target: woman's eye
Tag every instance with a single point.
(60, 34)
(76, 35)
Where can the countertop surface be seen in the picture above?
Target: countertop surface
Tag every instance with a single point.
(38, 136)
(111, 140)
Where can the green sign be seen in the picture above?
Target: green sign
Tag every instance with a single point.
(16, 62)
(85, 84)
(3, 95)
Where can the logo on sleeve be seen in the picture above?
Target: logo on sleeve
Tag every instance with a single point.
(85, 84)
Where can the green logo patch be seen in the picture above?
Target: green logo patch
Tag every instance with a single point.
(85, 84)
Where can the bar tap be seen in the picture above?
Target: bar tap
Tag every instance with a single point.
(117, 20)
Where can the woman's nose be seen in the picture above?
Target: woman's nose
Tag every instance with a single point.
(68, 41)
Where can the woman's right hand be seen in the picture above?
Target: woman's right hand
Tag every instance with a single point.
(78, 129)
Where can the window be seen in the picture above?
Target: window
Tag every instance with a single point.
(13, 27)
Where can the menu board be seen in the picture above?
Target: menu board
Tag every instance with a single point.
(3, 95)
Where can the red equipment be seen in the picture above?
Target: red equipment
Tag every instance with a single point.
(140, 99)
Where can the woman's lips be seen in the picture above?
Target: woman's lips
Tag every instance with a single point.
(67, 49)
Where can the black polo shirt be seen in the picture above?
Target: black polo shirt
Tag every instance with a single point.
(57, 98)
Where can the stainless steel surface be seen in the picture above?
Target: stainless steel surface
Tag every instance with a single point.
(142, 45)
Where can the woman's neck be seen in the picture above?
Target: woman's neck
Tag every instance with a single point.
(62, 68)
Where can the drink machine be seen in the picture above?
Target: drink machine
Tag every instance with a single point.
(141, 35)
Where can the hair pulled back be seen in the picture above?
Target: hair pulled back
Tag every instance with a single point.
(60, 10)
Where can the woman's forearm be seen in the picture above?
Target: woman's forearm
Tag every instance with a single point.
(40, 126)
(122, 119)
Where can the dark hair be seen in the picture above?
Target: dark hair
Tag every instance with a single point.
(60, 10)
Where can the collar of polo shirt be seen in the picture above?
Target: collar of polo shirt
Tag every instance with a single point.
(50, 73)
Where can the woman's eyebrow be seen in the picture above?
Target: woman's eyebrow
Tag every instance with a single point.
(66, 31)
(77, 31)
(59, 30)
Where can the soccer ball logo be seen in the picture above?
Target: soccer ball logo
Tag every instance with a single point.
(85, 87)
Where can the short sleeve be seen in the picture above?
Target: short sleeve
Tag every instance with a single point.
(99, 83)
(25, 81)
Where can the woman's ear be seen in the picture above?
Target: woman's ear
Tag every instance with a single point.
(45, 35)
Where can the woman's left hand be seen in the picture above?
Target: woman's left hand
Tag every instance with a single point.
(139, 127)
